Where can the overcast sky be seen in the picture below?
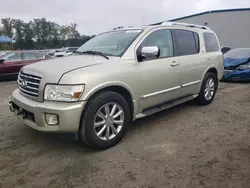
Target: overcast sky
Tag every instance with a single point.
(95, 16)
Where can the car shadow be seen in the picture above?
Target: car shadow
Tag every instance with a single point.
(70, 141)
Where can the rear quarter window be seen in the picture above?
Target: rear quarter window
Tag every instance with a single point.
(211, 42)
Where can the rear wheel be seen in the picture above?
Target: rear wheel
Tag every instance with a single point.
(208, 89)
(105, 120)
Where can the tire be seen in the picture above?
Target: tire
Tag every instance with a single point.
(203, 98)
(89, 134)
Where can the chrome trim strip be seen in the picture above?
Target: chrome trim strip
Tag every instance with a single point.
(161, 92)
(191, 83)
(25, 91)
(29, 82)
(29, 87)
(35, 78)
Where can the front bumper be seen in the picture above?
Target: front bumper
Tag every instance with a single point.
(237, 75)
(69, 113)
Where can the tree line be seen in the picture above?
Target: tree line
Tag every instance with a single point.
(41, 34)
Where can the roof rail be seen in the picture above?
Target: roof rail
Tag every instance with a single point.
(185, 25)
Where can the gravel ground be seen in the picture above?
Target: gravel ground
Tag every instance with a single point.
(186, 146)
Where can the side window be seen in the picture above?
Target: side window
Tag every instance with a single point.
(187, 42)
(211, 42)
(71, 49)
(29, 56)
(13, 57)
(40, 56)
(163, 40)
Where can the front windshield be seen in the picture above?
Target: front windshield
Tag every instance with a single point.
(112, 43)
(238, 53)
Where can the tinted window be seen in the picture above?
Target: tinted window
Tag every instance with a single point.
(29, 56)
(211, 42)
(13, 57)
(163, 40)
(187, 42)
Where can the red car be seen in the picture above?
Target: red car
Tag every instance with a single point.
(12, 62)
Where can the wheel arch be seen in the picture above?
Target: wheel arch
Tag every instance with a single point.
(118, 87)
(212, 69)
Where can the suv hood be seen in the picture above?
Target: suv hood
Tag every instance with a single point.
(52, 70)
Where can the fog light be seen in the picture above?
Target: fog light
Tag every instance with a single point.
(51, 119)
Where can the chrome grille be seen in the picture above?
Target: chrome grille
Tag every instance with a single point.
(29, 84)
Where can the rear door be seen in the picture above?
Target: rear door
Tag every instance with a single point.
(192, 64)
(11, 64)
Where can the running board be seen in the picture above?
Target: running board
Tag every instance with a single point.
(165, 106)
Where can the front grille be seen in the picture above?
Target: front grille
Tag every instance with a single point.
(29, 84)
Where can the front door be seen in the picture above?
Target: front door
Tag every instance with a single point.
(159, 75)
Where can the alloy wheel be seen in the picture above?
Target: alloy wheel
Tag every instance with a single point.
(209, 89)
(109, 121)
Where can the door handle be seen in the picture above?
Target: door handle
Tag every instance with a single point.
(174, 64)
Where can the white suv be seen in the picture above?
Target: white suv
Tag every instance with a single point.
(118, 77)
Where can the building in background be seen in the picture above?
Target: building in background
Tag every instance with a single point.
(231, 25)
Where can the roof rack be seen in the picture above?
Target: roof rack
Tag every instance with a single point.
(185, 25)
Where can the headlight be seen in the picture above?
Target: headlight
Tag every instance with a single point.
(243, 67)
(67, 93)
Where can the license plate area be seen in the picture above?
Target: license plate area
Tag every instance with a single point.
(26, 115)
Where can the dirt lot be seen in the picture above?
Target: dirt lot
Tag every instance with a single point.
(187, 146)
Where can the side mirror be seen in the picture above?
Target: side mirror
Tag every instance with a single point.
(150, 52)
(1, 61)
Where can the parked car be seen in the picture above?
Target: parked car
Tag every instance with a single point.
(64, 52)
(12, 62)
(52, 52)
(118, 77)
(225, 49)
(237, 65)
(2, 53)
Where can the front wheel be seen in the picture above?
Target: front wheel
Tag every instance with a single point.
(105, 120)
(208, 89)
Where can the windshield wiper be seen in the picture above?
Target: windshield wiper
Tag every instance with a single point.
(93, 53)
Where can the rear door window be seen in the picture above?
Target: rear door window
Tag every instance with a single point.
(29, 56)
(211, 42)
(187, 42)
(40, 56)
